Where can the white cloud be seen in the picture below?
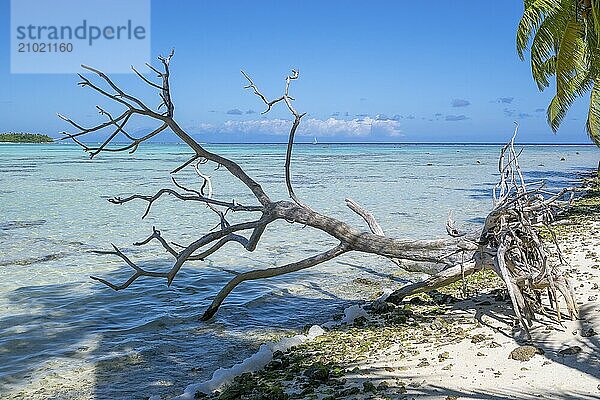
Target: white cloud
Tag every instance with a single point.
(308, 127)
(456, 117)
(460, 103)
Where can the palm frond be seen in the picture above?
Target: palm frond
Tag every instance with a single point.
(543, 48)
(593, 120)
(533, 16)
(595, 16)
(564, 39)
(572, 55)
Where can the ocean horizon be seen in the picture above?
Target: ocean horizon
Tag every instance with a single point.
(296, 142)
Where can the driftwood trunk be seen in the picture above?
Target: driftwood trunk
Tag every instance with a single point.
(508, 243)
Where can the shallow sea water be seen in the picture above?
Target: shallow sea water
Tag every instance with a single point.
(63, 335)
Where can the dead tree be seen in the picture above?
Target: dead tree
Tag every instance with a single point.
(509, 242)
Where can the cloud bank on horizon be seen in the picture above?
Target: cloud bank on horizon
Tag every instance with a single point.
(330, 127)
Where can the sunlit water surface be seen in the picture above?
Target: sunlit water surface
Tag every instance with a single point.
(63, 335)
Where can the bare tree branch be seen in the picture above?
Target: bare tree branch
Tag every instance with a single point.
(366, 215)
(139, 272)
(297, 117)
(195, 197)
(120, 94)
(272, 272)
(156, 235)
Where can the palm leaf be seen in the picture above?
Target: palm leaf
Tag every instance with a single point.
(564, 98)
(543, 48)
(533, 16)
(593, 120)
(572, 55)
(596, 20)
(572, 72)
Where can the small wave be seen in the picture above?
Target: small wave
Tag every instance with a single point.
(10, 225)
(149, 325)
(476, 220)
(265, 298)
(64, 180)
(33, 260)
(13, 170)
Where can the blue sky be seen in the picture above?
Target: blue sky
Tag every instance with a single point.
(370, 71)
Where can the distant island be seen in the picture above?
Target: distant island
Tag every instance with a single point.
(25, 138)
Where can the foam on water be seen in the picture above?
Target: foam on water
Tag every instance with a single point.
(257, 361)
